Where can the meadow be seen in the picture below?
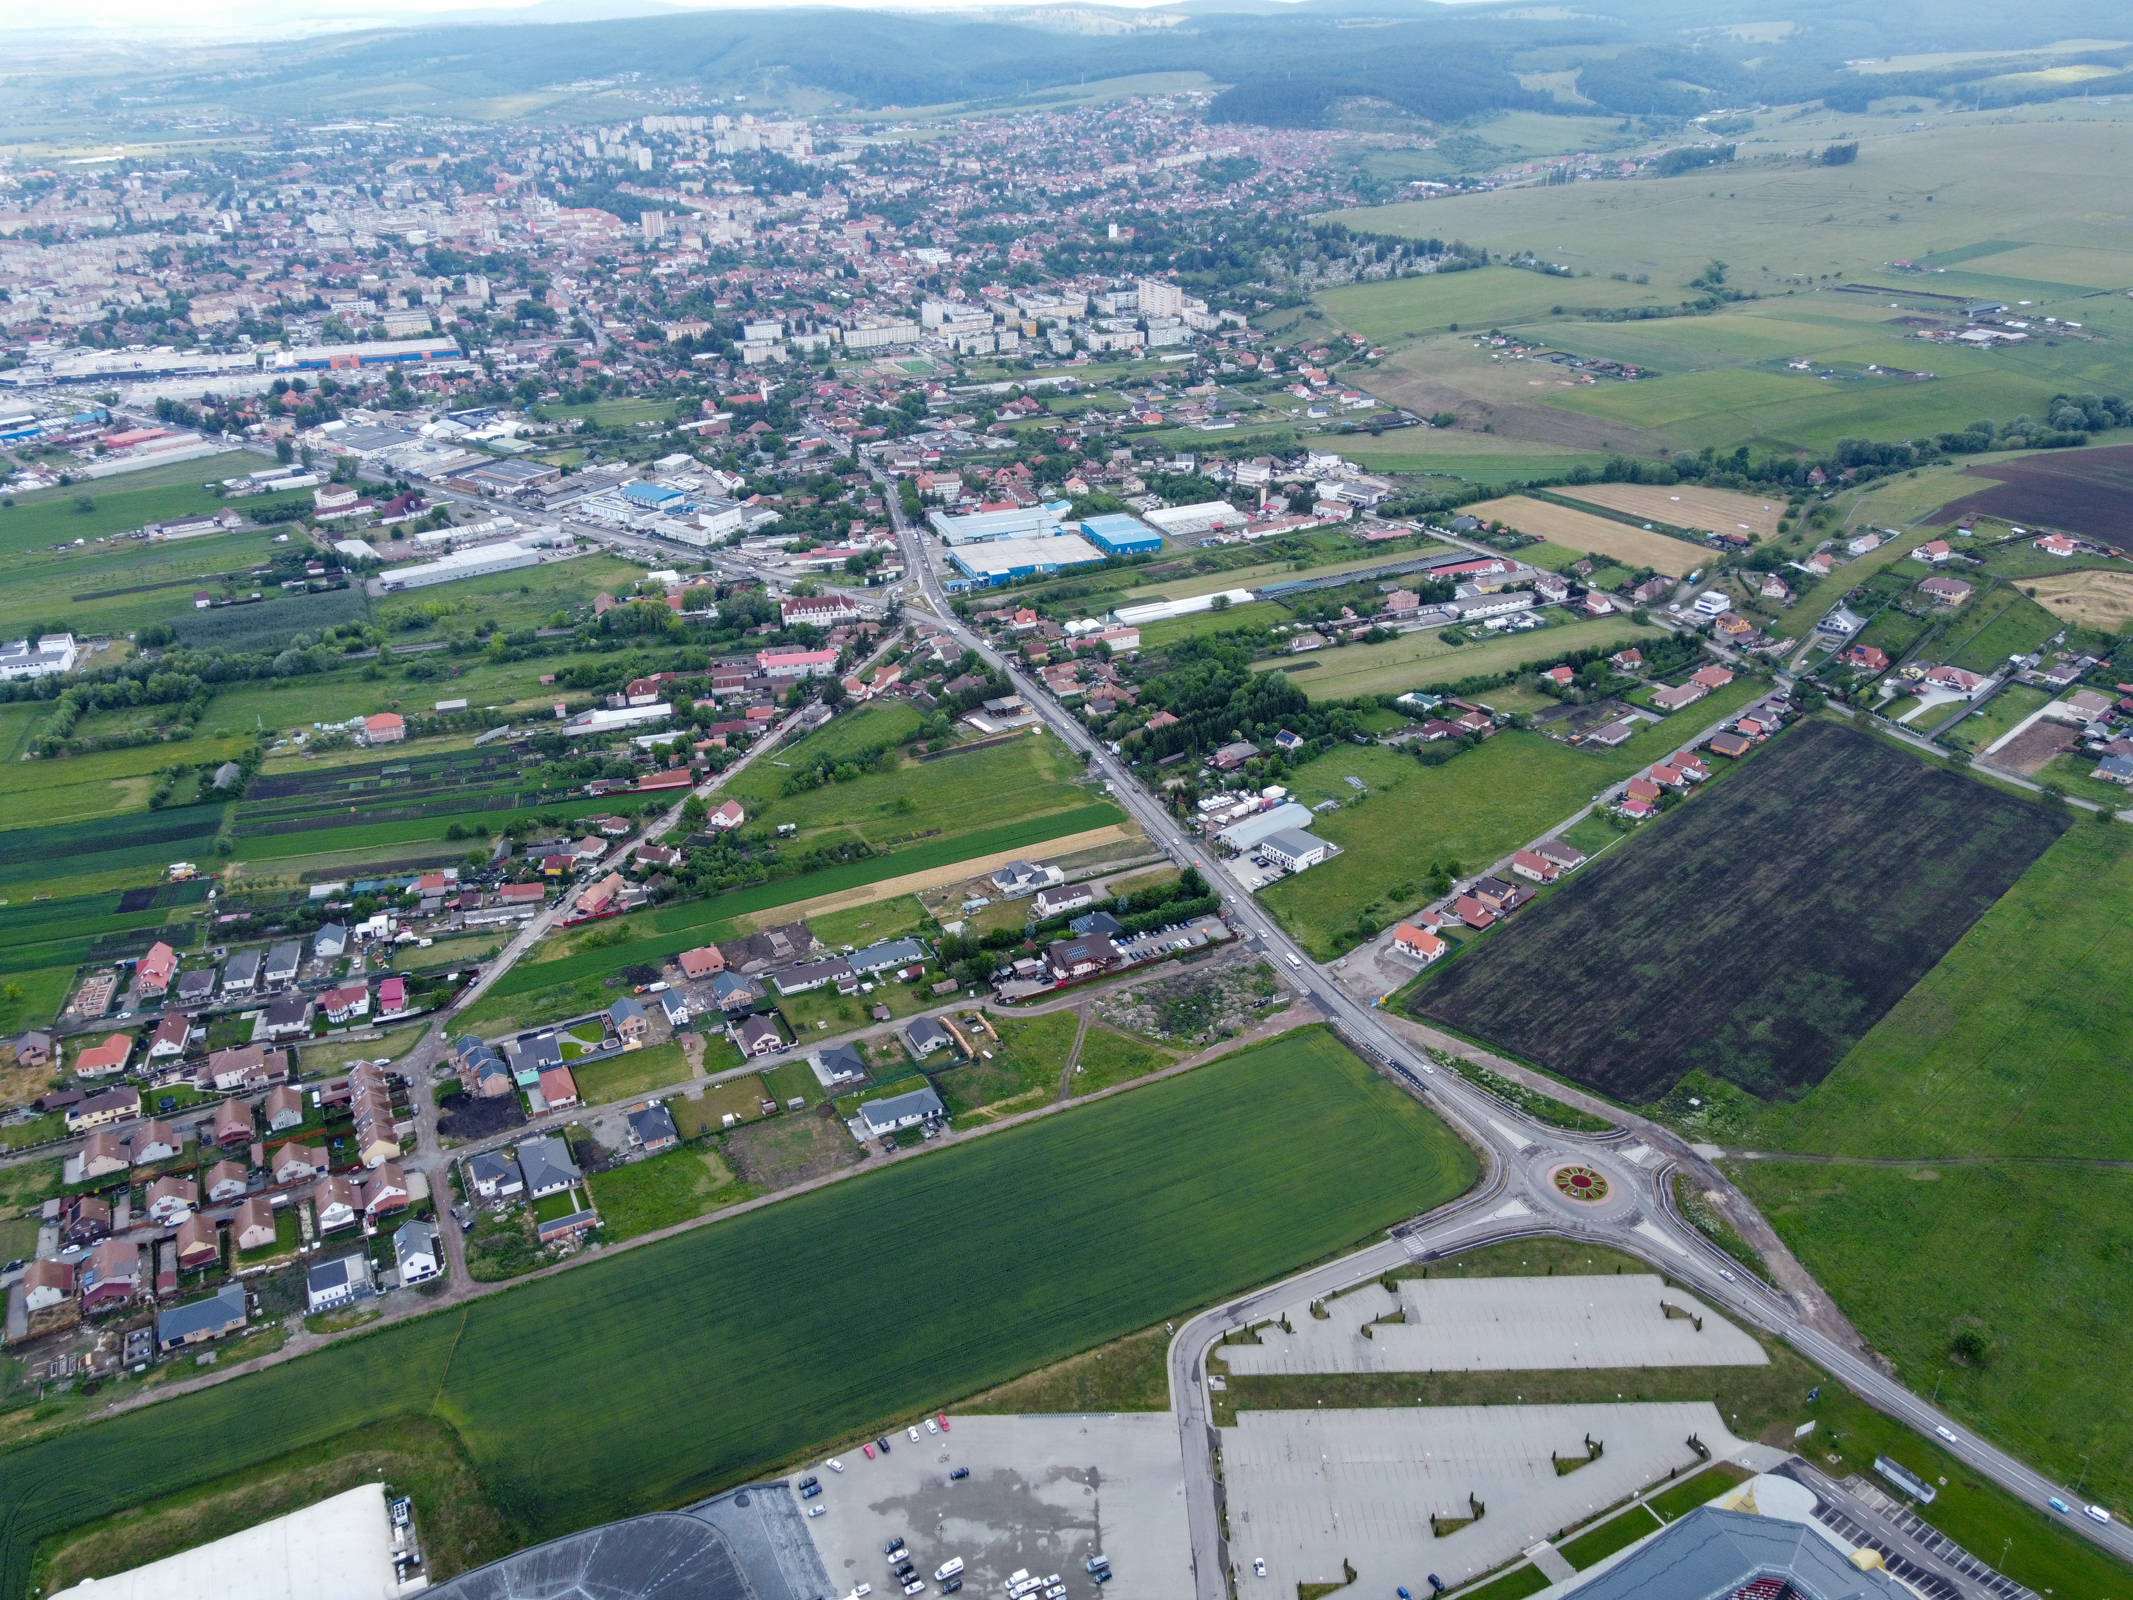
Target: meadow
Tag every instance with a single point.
(1414, 660)
(728, 1350)
(118, 505)
(1746, 985)
(2005, 202)
(1473, 809)
(1593, 535)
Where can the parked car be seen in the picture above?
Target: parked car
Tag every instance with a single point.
(893, 1546)
(931, 1426)
(869, 1449)
(942, 1419)
(913, 1432)
(915, 1586)
(1259, 1567)
(809, 1490)
(882, 1445)
(959, 1473)
(834, 1464)
(816, 1511)
(951, 1586)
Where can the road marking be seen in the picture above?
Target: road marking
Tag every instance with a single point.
(1637, 1154)
(1651, 1230)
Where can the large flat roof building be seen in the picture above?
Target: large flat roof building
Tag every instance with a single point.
(1001, 561)
(479, 562)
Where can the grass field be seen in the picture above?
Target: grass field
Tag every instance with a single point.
(1471, 810)
(1791, 231)
(633, 1072)
(2007, 623)
(120, 505)
(1746, 985)
(663, 1190)
(1416, 659)
(1593, 536)
(2096, 597)
(730, 1349)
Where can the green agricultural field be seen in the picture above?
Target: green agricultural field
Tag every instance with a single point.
(34, 794)
(665, 1190)
(1415, 659)
(728, 1350)
(527, 598)
(1028, 778)
(1473, 809)
(2007, 623)
(113, 588)
(46, 517)
(1225, 619)
(1476, 458)
(2001, 199)
(1995, 1205)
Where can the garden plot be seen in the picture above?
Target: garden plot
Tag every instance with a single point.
(1498, 1325)
(1310, 1490)
(1198, 1005)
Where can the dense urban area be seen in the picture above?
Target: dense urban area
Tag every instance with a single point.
(1106, 834)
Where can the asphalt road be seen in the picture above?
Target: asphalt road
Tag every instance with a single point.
(1515, 1199)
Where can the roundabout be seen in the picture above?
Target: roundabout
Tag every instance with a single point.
(1585, 1185)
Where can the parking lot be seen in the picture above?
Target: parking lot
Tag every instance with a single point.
(1045, 1493)
(1499, 1325)
(1311, 1489)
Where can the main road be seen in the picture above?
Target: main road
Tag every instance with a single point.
(1521, 1160)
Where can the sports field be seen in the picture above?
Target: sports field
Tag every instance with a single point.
(1686, 505)
(1472, 810)
(721, 1353)
(1591, 535)
(1728, 905)
(1417, 659)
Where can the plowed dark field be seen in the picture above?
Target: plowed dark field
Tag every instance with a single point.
(2089, 492)
(1755, 933)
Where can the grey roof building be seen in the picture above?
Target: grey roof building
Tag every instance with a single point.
(925, 1035)
(330, 943)
(283, 959)
(653, 1128)
(221, 1312)
(495, 1175)
(1711, 1553)
(415, 1252)
(889, 953)
(339, 1282)
(901, 1111)
(837, 1064)
(546, 1162)
(241, 975)
(197, 987)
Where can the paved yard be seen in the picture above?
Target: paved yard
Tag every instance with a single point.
(1308, 1489)
(1500, 1325)
(1044, 1493)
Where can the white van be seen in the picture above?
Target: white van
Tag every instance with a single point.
(947, 1570)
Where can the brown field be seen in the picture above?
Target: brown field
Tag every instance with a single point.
(1685, 506)
(2089, 492)
(2098, 597)
(1578, 530)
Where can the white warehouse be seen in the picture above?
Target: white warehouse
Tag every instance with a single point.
(476, 563)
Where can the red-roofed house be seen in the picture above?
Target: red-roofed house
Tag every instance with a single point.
(1711, 677)
(169, 1038)
(392, 997)
(1626, 660)
(106, 1059)
(1472, 912)
(2054, 544)
(785, 665)
(1637, 806)
(154, 973)
(385, 727)
(346, 1003)
(1933, 552)
(1537, 867)
(1562, 677)
(559, 1088)
(729, 815)
(702, 963)
(1868, 658)
(1643, 789)
(1669, 777)
(1417, 943)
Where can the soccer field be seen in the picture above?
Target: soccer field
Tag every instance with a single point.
(659, 1375)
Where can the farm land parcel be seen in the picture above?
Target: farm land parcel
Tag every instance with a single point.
(1966, 1167)
(2087, 492)
(729, 1349)
(1756, 934)
(1414, 660)
(1594, 535)
(2025, 187)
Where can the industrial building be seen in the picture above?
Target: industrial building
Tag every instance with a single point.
(605, 719)
(1242, 836)
(476, 563)
(1117, 534)
(1001, 561)
(985, 527)
(1292, 850)
(1210, 516)
(380, 353)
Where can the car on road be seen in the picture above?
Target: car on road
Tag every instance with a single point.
(2096, 1513)
(2059, 1506)
(959, 1473)
(1723, 1273)
(1944, 1433)
(1259, 1567)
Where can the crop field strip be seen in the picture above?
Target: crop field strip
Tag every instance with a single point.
(2087, 492)
(1722, 912)
(1592, 535)
(728, 1349)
